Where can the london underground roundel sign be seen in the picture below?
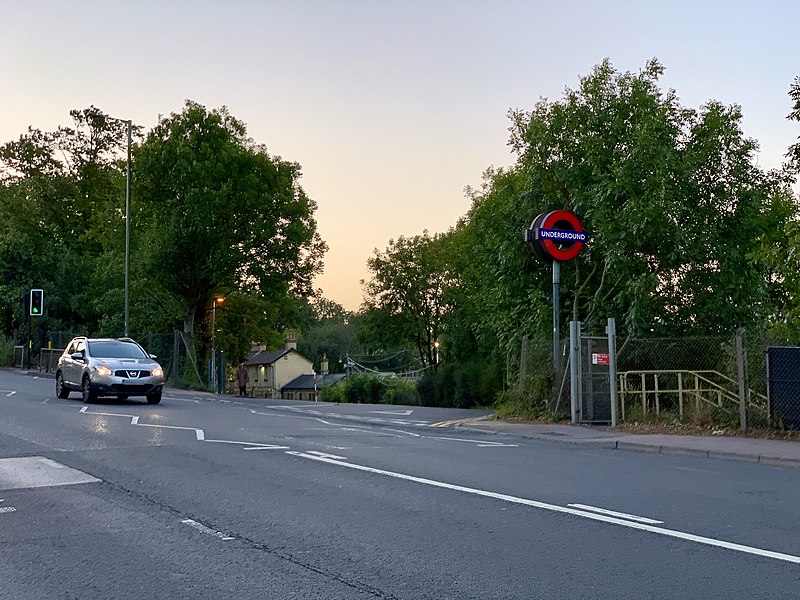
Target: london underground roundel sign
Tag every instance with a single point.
(557, 235)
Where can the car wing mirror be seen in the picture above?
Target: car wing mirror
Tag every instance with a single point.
(153, 356)
(76, 356)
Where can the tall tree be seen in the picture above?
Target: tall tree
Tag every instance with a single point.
(408, 286)
(218, 213)
(63, 219)
(794, 150)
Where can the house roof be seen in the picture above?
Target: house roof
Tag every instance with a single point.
(268, 357)
(306, 382)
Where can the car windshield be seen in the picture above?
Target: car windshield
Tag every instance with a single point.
(115, 349)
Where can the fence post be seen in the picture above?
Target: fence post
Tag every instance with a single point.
(742, 377)
(575, 369)
(611, 330)
(644, 395)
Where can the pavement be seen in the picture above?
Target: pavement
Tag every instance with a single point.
(783, 453)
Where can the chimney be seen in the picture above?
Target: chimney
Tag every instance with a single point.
(291, 341)
(323, 365)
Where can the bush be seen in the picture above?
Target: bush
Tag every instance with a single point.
(6, 351)
(463, 385)
(371, 389)
(333, 393)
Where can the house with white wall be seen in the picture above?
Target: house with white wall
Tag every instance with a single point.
(270, 370)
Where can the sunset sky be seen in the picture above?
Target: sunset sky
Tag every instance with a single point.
(391, 107)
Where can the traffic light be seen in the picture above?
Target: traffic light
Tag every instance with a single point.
(37, 303)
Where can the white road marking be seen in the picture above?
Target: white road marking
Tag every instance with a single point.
(563, 509)
(9, 394)
(326, 455)
(199, 433)
(7, 509)
(613, 513)
(182, 399)
(479, 443)
(252, 445)
(404, 432)
(205, 529)
(38, 471)
(401, 413)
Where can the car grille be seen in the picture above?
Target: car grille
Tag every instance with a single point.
(131, 373)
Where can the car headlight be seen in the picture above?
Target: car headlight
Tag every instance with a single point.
(103, 370)
(158, 372)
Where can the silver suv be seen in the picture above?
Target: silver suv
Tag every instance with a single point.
(108, 367)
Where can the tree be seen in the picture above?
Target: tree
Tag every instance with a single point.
(63, 220)
(679, 214)
(673, 200)
(217, 213)
(794, 150)
(407, 288)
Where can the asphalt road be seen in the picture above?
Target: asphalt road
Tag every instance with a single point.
(221, 497)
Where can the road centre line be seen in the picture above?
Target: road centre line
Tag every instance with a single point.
(562, 509)
(614, 513)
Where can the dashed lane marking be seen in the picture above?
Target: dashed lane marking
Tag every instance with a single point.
(206, 529)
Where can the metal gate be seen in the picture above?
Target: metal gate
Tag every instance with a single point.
(593, 376)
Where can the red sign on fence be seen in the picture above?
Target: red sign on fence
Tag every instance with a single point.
(599, 358)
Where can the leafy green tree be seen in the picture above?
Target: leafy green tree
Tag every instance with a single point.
(330, 333)
(794, 150)
(407, 290)
(219, 214)
(62, 225)
(675, 205)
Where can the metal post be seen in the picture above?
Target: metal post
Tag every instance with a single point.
(611, 330)
(127, 226)
(740, 368)
(575, 369)
(556, 339)
(213, 383)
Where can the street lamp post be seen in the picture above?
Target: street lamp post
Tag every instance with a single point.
(129, 123)
(127, 224)
(215, 300)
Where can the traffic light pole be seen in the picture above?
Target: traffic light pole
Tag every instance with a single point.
(127, 225)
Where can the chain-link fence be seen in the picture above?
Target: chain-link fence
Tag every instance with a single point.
(744, 379)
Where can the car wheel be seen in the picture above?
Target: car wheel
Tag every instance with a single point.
(89, 395)
(154, 398)
(61, 390)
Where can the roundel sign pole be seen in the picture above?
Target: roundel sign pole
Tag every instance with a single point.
(556, 236)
